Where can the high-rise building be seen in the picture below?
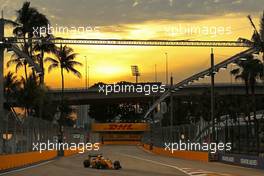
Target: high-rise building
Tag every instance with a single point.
(83, 118)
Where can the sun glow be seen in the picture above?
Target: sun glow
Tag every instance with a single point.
(110, 70)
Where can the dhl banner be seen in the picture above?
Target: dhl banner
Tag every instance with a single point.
(101, 127)
(121, 137)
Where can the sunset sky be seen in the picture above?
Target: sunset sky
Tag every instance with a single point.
(144, 19)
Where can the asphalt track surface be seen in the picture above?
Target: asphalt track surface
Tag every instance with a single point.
(135, 162)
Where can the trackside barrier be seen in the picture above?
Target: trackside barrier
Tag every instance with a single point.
(24, 159)
(189, 155)
(242, 160)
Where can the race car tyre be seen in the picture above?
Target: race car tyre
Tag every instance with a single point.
(117, 165)
(86, 163)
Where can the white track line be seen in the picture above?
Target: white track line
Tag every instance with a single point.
(25, 168)
(156, 162)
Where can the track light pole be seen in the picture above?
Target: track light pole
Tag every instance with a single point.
(167, 74)
(86, 84)
(212, 137)
(156, 76)
(171, 107)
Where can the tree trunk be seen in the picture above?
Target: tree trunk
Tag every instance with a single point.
(25, 68)
(62, 86)
(41, 81)
(42, 68)
(61, 152)
(25, 63)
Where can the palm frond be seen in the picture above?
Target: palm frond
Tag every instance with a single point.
(51, 60)
(75, 72)
(53, 66)
(235, 71)
(67, 50)
(72, 56)
(10, 22)
(67, 69)
(15, 56)
(261, 31)
(64, 59)
(12, 62)
(74, 63)
(18, 66)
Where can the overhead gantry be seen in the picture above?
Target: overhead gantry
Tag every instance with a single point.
(124, 42)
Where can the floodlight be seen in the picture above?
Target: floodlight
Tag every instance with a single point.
(135, 72)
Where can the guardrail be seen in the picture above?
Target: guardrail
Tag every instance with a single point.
(190, 155)
(24, 159)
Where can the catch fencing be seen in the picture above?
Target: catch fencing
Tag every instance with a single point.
(19, 133)
(243, 134)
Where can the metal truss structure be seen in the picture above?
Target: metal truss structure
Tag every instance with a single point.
(197, 76)
(121, 42)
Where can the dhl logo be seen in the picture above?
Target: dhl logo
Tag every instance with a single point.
(120, 127)
(99, 127)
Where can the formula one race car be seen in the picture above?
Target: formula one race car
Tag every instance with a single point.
(97, 161)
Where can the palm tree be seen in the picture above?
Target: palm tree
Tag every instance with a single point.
(29, 19)
(65, 60)
(18, 61)
(29, 94)
(42, 48)
(11, 86)
(258, 36)
(261, 31)
(250, 69)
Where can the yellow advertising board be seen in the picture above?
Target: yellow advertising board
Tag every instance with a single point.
(101, 127)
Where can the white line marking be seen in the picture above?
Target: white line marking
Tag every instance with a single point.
(156, 162)
(25, 168)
